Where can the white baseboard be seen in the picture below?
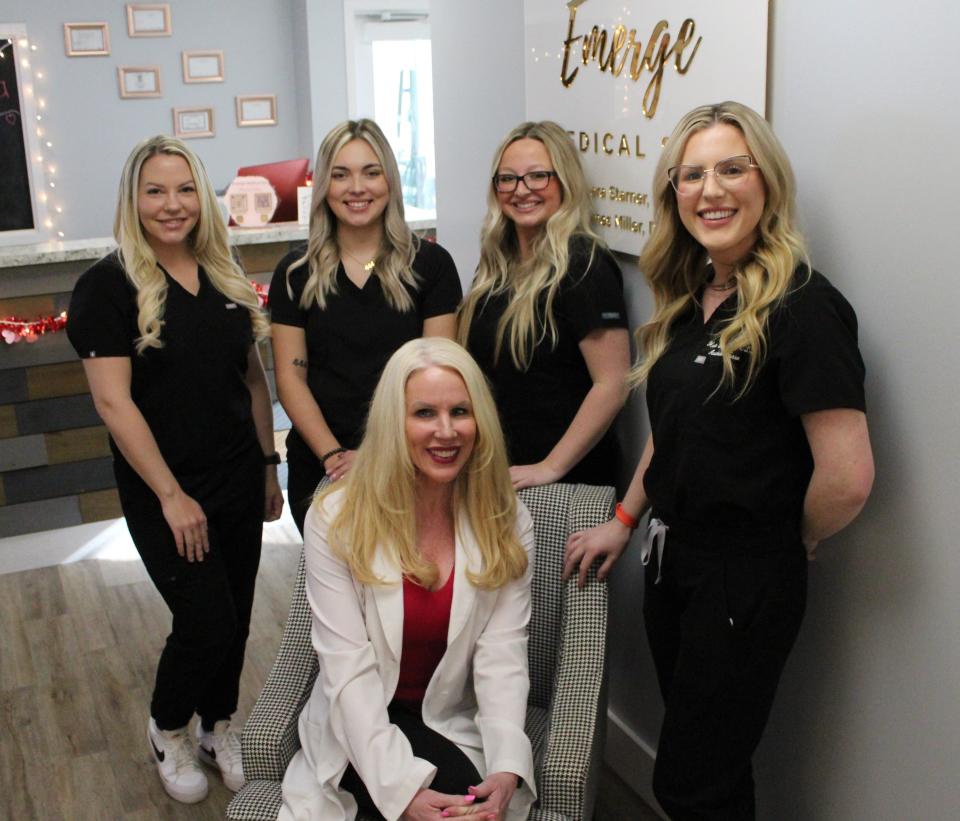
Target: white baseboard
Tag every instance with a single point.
(631, 758)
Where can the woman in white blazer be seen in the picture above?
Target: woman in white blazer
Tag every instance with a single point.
(418, 575)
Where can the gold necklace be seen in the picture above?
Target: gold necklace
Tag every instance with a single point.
(367, 266)
(726, 286)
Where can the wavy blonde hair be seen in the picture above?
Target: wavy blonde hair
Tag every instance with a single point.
(399, 245)
(378, 510)
(674, 262)
(208, 242)
(532, 284)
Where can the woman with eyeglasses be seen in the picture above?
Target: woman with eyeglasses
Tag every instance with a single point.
(363, 285)
(759, 449)
(545, 317)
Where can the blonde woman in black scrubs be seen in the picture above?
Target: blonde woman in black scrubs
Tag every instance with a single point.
(545, 317)
(166, 328)
(363, 286)
(759, 449)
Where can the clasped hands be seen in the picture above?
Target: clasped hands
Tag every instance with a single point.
(488, 800)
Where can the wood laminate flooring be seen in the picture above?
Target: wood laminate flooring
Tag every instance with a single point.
(78, 649)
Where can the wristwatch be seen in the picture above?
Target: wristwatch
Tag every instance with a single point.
(271, 458)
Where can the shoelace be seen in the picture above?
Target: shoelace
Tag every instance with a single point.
(181, 749)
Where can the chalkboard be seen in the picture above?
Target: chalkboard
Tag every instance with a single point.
(16, 202)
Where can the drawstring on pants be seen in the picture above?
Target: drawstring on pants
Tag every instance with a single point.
(656, 532)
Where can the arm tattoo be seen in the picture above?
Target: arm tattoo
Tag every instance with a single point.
(300, 363)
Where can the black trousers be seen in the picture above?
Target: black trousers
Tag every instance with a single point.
(720, 623)
(303, 476)
(455, 772)
(200, 665)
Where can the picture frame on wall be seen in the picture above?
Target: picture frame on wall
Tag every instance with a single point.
(86, 39)
(256, 109)
(139, 81)
(189, 123)
(202, 66)
(148, 20)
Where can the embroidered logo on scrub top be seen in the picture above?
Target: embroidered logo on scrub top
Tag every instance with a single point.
(230, 305)
(713, 349)
(610, 315)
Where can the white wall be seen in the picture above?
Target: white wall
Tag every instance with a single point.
(478, 98)
(867, 721)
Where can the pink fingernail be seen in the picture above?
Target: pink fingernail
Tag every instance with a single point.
(445, 814)
(470, 798)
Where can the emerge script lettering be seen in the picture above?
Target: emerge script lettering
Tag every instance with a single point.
(611, 51)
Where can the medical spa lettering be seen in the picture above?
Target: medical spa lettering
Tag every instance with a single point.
(628, 70)
(612, 51)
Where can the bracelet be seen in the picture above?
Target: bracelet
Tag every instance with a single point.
(271, 458)
(334, 452)
(625, 518)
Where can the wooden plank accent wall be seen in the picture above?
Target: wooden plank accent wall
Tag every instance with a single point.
(59, 379)
(57, 457)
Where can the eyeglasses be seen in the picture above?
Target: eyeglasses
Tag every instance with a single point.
(688, 180)
(534, 180)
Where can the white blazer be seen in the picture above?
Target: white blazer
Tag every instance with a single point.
(477, 696)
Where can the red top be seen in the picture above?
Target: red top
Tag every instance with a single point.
(426, 619)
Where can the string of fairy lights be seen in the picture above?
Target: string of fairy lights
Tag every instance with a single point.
(44, 157)
(14, 329)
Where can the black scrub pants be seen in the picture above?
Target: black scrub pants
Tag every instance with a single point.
(200, 666)
(303, 476)
(455, 772)
(721, 622)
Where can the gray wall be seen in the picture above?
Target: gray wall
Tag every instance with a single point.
(866, 724)
(477, 100)
(93, 129)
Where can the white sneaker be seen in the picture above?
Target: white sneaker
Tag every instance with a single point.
(177, 763)
(220, 748)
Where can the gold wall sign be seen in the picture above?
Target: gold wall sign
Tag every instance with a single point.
(611, 52)
(619, 74)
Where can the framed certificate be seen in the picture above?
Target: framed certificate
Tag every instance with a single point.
(203, 66)
(193, 122)
(86, 39)
(257, 109)
(139, 81)
(148, 20)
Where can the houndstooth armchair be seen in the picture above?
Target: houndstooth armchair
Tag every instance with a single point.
(567, 704)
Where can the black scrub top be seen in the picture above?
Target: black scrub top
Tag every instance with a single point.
(538, 404)
(350, 340)
(745, 463)
(192, 392)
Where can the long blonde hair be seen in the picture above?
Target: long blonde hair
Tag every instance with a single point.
(674, 262)
(399, 245)
(208, 242)
(380, 490)
(533, 285)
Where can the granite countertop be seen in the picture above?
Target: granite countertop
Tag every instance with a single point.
(45, 253)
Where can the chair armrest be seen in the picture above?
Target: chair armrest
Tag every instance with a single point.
(572, 758)
(270, 737)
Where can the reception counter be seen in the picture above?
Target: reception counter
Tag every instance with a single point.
(55, 463)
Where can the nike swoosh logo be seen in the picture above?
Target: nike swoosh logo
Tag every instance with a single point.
(158, 753)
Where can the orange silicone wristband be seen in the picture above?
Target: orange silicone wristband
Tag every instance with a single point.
(625, 517)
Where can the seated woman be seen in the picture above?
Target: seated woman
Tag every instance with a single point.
(418, 574)
(545, 317)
